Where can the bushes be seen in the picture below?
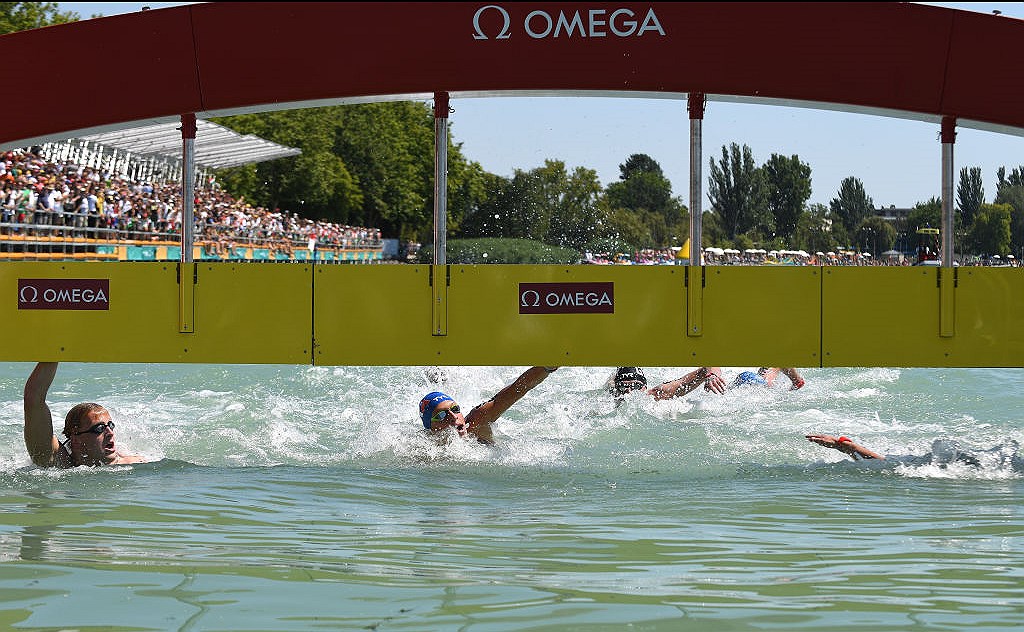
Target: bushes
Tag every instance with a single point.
(496, 250)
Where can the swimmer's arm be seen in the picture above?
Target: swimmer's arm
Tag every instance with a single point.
(797, 382)
(770, 373)
(711, 377)
(487, 413)
(844, 445)
(40, 441)
(123, 459)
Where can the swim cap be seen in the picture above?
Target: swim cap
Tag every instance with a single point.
(429, 402)
(629, 378)
(749, 377)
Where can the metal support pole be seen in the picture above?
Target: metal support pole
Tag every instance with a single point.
(439, 272)
(947, 274)
(948, 136)
(695, 270)
(441, 106)
(187, 268)
(695, 104)
(188, 185)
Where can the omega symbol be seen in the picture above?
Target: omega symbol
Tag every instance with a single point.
(476, 22)
(523, 302)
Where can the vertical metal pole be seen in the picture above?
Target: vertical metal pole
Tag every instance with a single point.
(440, 177)
(695, 105)
(188, 185)
(947, 274)
(438, 274)
(948, 136)
(695, 271)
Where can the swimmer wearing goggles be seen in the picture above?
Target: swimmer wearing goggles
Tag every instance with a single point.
(88, 427)
(439, 411)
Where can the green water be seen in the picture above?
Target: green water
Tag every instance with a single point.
(704, 515)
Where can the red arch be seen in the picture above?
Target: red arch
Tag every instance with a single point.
(218, 58)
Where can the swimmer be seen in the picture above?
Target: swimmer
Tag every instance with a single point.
(844, 445)
(944, 453)
(439, 411)
(88, 428)
(765, 376)
(631, 378)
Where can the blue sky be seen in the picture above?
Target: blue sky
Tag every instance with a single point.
(897, 160)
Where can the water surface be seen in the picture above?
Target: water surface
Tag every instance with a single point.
(300, 498)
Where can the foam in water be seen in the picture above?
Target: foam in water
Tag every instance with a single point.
(244, 416)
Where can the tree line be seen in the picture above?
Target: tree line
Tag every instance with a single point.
(372, 165)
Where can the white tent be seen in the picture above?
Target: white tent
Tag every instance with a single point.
(216, 146)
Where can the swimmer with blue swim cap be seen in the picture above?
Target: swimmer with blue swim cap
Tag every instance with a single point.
(765, 376)
(749, 378)
(439, 411)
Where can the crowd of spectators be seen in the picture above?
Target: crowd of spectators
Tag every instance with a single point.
(756, 257)
(35, 193)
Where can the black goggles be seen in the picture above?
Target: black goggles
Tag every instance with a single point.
(97, 429)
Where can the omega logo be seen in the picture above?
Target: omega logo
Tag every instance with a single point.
(540, 24)
(566, 298)
(64, 294)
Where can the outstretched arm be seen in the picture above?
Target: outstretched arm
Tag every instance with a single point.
(481, 417)
(40, 441)
(770, 373)
(710, 377)
(844, 445)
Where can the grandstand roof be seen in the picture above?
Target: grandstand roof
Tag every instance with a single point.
(216, 146)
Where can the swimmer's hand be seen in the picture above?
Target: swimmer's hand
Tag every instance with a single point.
(844, 445)
(824, 440)
(714, 384)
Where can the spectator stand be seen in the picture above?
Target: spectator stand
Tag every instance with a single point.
(116, 196)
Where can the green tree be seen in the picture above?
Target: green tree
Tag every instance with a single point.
(546, 204)
(970, 194)
(644, 190)
(925, 215)
(315, 184)
(625, 231)
(1015, 179)
(990, 232)
(714, 233)
(875, 235)
(389, 148)
(467, 189)
(521, 211)
(368, 164)
(492, 250)
(852, 205)
(22, 16)
(642, 185)
(737, 191)
(1010, 190)
(788, 183)
(572, 203)
(485, 216)
(813, 231)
